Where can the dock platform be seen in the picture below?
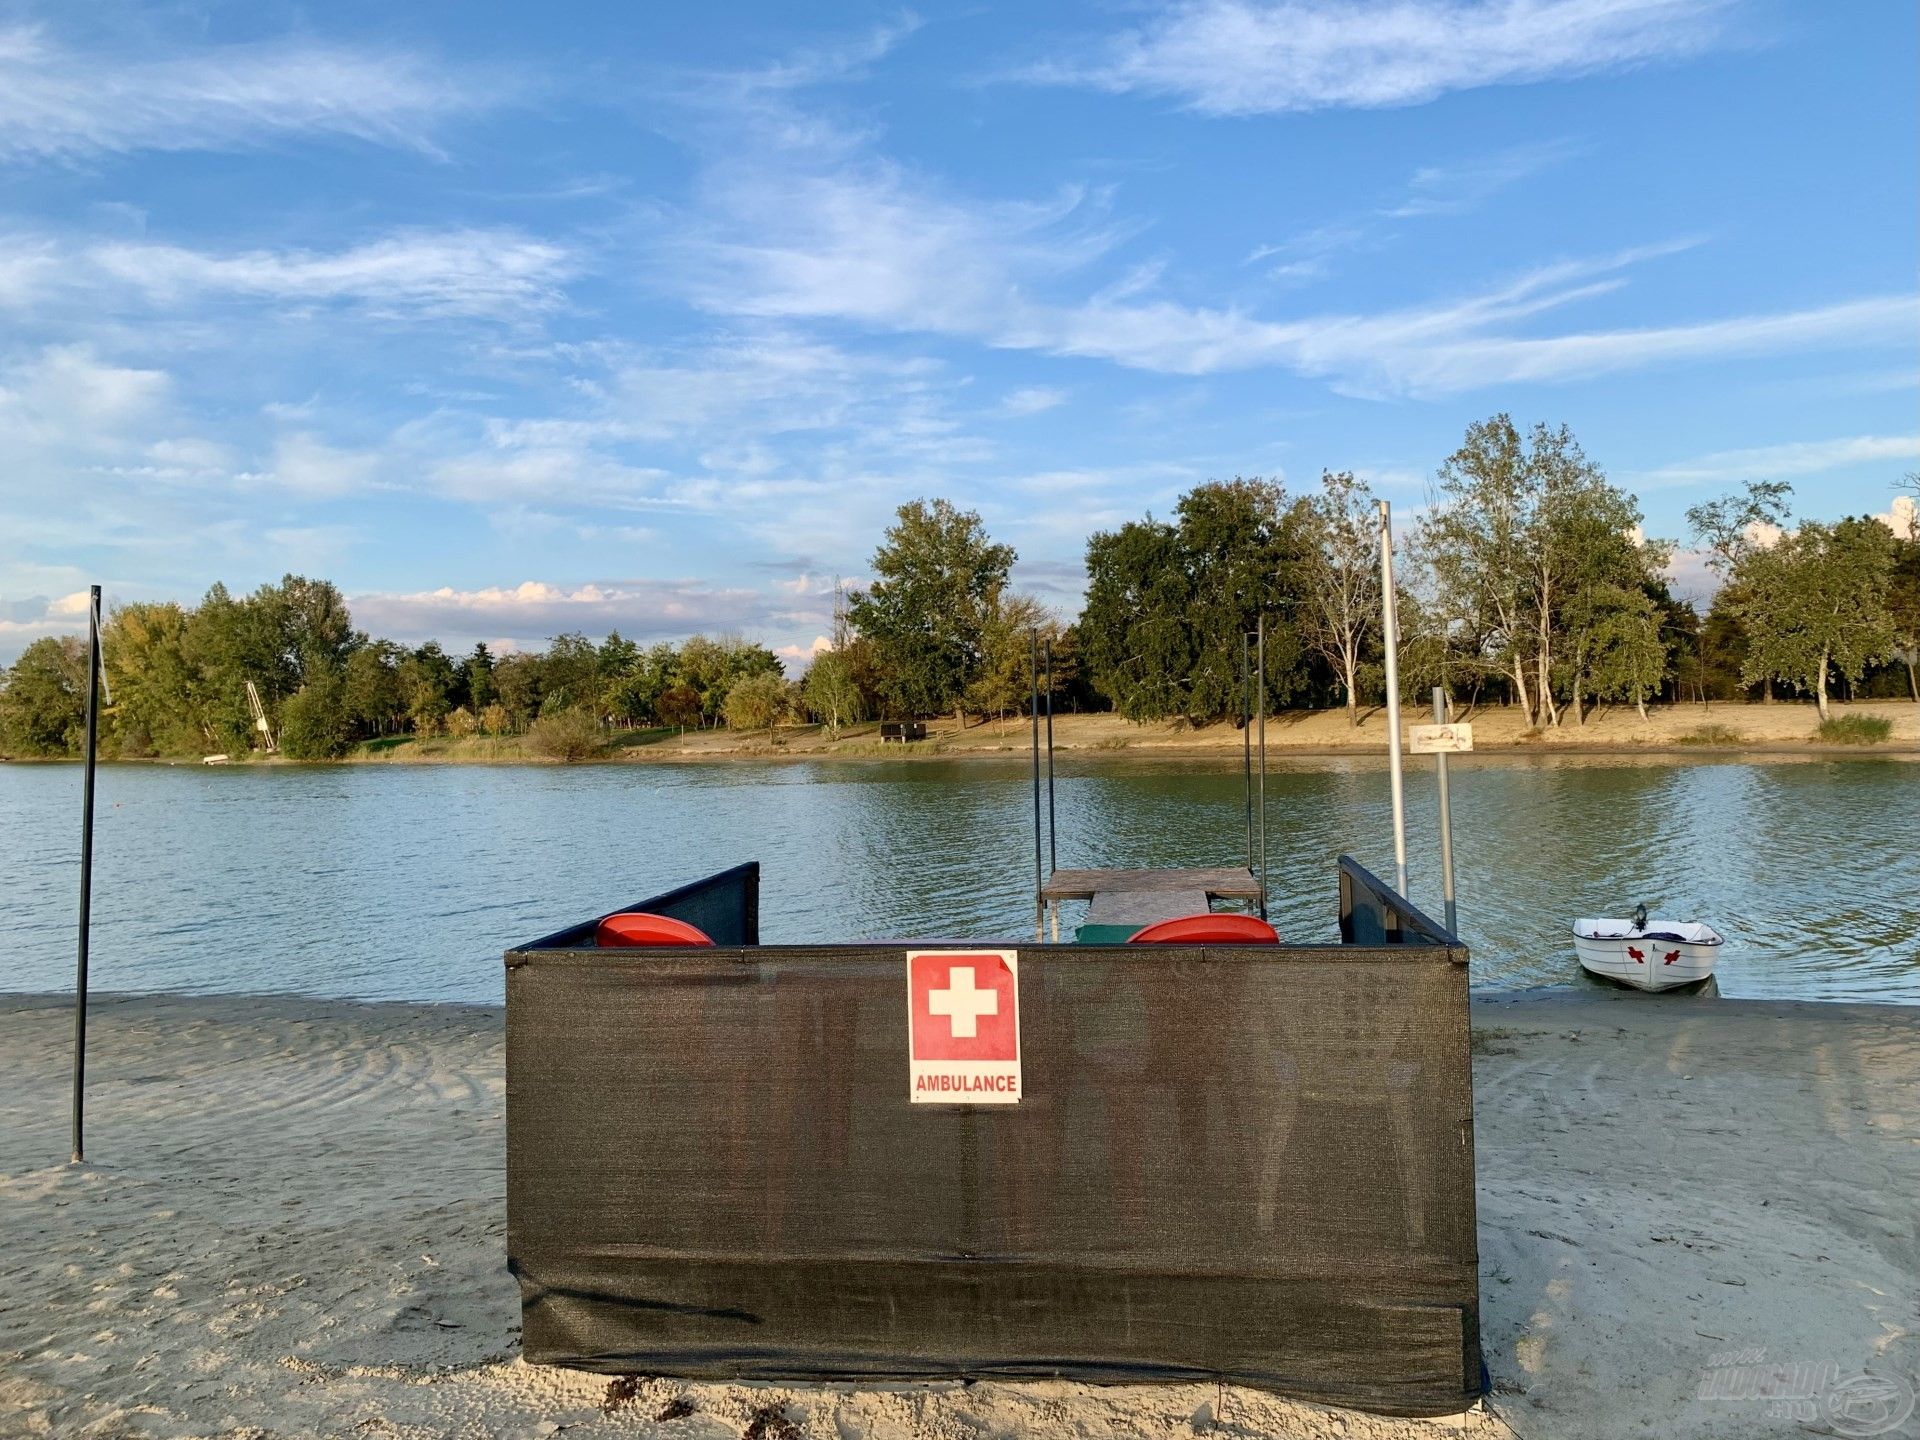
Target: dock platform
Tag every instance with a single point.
(1121, 902)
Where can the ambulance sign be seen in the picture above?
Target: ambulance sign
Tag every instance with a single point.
(963, 1027)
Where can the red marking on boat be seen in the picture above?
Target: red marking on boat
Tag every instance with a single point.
(1637, 955)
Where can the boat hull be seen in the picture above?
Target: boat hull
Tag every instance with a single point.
(1646, 964)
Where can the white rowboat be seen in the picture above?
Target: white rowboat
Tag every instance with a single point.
(1653, 955)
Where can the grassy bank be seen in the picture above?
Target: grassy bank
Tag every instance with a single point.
(1871, 727)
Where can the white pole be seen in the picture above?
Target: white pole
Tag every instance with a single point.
(1390, 637)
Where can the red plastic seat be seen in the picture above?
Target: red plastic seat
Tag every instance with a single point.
(636, 927)
(1208, 929)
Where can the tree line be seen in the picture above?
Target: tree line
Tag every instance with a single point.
(1526, 581)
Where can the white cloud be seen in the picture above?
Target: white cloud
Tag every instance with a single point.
(307, 466)
(1456, 188)
(1902, 517)
(530, 612)
(58, 103)
(1778, 462)
(797, 235)
(1032, 401)
(1242, 57)
(64, 411)
(435, 272)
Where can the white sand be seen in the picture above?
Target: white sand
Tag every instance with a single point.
(293, 1224)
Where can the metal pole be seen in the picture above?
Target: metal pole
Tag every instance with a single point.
(1053, 834)
(1260, 706)
(86, 880)
(1440, 713)
(1039, 879)
(1390, 634)
(1246, 734)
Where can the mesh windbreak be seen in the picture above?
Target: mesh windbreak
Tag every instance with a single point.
(1254, 1163)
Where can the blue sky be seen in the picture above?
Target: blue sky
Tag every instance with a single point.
(518, 319)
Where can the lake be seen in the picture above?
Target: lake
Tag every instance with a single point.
(406, 882)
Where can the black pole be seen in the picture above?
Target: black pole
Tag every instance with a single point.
(1053, 834)
(1260, 705)
(1246, 735)
(1039, 876)
(86, 879)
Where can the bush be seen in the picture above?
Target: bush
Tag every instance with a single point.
(756, 702)
(313, 722)
(1855, 730)
(567, 735)
(1712, 735)
(461, 724)
(495, 720)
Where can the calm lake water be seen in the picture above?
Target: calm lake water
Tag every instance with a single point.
(407, 882)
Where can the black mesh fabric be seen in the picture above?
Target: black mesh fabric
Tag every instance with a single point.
(1252, 1163)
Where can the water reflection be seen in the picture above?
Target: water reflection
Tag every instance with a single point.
(407, 882)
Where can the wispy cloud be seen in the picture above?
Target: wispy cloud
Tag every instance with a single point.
(1243, 57)
(59, 103)
(435, 272)
(873, 244)
(1032, 400)
(1780, 462)
(1457, 188)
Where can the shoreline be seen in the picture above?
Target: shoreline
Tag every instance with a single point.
(293, 1222)
(1725, 731)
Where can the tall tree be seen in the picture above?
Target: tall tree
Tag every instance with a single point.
(1519, 525)
(153, 679)
(1340, 531)
(1903, 607)
(1476, 541)
(43, 703)
(1168, 604)
(926, 611)
(1816, 601)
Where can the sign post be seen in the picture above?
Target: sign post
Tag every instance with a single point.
(1440, 710)
(1390, 636)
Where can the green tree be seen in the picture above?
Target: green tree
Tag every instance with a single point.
(1903, 608)
(1816, 601)
(153, 679)
(43, 705)
(617, 656)
(756, 702)
(570, 673)
(1168, 604)
(426, 684)
(1510, 538)
(830, 692)
(370, 687)
(477, 670)
(1004, 682)
(679, 704)
(926, 611)
(1629, 658)
(519, 682)
(1340, 533)
(314, 723)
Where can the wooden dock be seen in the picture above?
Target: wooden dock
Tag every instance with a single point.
(1134, 899)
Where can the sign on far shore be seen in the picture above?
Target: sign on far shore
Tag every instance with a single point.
(1439, 739)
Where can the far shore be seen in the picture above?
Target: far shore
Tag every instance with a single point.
(1783, 730)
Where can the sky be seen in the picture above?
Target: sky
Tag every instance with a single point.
(513, 320)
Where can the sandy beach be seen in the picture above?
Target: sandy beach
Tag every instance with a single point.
(292, 1223)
